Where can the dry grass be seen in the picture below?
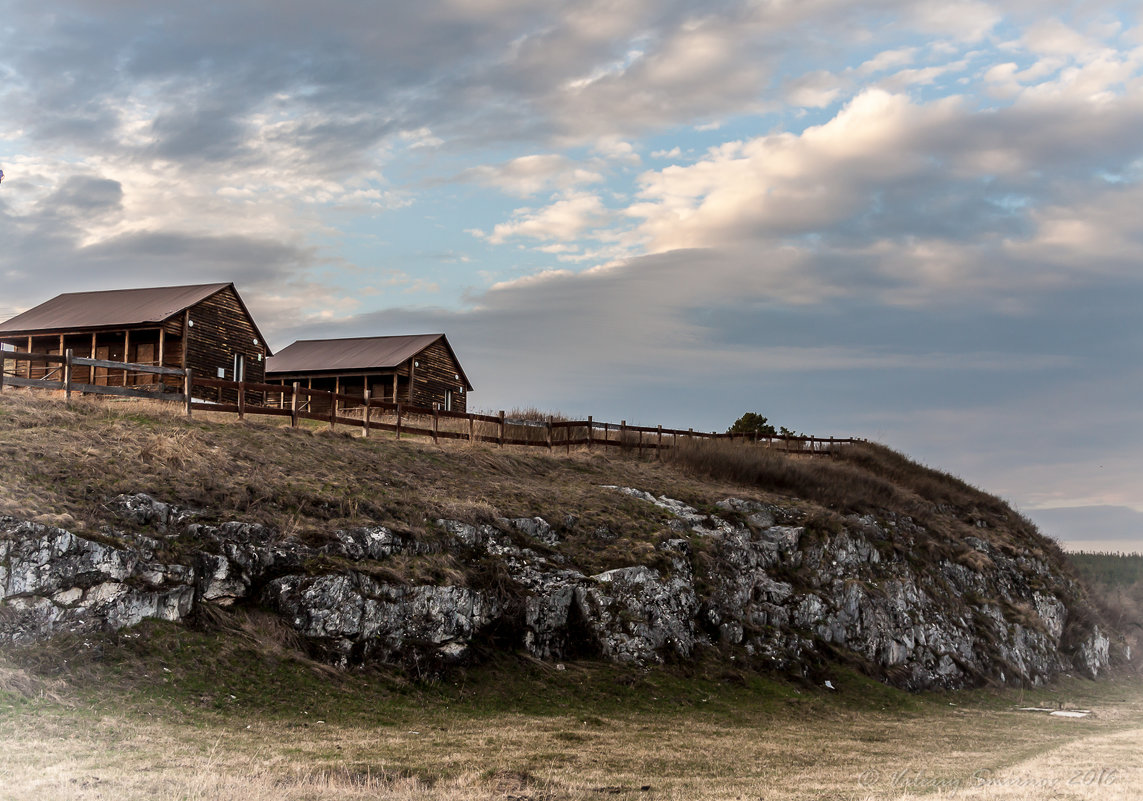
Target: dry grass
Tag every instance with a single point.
(808, 748)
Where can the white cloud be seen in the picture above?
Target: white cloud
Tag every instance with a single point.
(530, 175)
(968, 20)
(566, 219)
(888, 60)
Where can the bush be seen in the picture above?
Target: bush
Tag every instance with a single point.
(752, 423)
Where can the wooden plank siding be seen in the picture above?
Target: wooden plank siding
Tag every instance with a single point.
(436, 373)
(218, 329)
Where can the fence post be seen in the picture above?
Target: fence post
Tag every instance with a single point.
(548, 433)
(640, 450)
(436, 422)
(398, 429)
(622, 435)
(589, 433)
(332, 410)
(188, 385)
(659, 444)
(500, 436)
(67, 375)
(241, 400)
(471, 429)
(365, 416)
(294, 406)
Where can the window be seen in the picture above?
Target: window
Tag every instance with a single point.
(448, 400)
(239, 367)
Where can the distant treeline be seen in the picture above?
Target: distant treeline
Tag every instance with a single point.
(1110, 570)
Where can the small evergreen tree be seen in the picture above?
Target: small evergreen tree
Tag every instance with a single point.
(752, 423)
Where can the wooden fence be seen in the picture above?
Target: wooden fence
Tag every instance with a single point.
(369, 414)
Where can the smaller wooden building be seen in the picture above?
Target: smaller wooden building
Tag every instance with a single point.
(204, 326)
(421, 370)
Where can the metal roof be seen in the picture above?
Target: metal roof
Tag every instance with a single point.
(353, 354)
(116, 307)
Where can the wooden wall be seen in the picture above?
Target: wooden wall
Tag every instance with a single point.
(221, 329)
(435, 374)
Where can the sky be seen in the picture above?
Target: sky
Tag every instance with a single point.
(914, 222)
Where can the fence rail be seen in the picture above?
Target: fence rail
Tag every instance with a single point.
(372, 415)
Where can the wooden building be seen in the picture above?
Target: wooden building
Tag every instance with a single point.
(420, 370)
(206, 327)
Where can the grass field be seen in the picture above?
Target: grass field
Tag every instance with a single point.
(167, 712)
(232, 709)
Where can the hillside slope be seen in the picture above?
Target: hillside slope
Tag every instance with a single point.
(425, 557)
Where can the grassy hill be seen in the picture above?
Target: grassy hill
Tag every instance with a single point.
(233, 707)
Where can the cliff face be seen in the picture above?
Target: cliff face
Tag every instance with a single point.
(762, 583)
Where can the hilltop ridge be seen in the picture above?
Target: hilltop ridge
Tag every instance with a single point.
(425, 557)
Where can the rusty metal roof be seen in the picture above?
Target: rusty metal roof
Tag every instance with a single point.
(116, 307)
(353, 354)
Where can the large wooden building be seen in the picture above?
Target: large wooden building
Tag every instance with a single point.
(205, 326)
(421, 370)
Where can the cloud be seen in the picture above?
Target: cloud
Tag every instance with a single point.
(565, 219)
(530, 175)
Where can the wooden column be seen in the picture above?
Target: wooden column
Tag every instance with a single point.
(436, 421)
(548, 433)
(398, 421)
(28, 374)
(188, 386)
(471, 429)
(67, 375)
(589, 434)
(394, 386)
(659, 444)
(294, 407)
(500, 436)
(365, 414)
(126, 353)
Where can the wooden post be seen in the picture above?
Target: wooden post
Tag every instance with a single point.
(500, 436)
(394, 387)
(242, 400)
(126, 351)
(589, 432)
(398, 421)
(471, 429)
(365, 415)
(436, 421)
(640, 447)
(332, 410)
(67, 375)
(659, 444)
(622, 435)
(188, 386)
(91, 370)
(2, 370)
(294, 406)
(548, 434)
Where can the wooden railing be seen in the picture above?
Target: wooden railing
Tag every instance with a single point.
(371, 415)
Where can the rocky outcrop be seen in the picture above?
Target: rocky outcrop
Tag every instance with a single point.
(751, 580)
